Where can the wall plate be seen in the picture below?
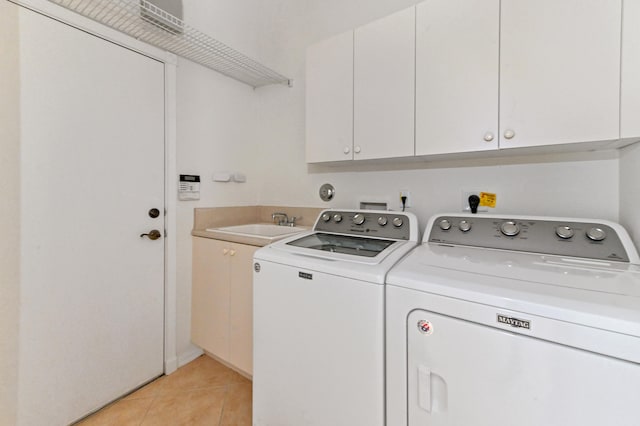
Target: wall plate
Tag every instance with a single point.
(327, 191)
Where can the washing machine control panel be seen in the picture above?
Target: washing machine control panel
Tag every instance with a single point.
(590, 240)
(393, 225)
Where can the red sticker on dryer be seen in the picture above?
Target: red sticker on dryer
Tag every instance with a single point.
(425, 327)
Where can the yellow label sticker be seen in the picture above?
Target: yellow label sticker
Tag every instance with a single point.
(488, 199)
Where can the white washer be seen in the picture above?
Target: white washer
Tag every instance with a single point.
(502, 321)
(319, 319)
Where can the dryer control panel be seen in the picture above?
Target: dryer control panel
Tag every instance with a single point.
(591, 240)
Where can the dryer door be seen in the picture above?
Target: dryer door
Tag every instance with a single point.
(464, 373)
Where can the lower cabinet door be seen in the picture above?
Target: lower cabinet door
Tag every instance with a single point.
(241, 307)
(210, 296)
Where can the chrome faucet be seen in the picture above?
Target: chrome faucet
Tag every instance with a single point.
(284, 219)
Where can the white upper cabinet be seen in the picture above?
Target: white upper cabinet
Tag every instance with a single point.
(559, 71)
(630, 103)
(384, 87)
(457, 64)
(329, 100)
(456, 76)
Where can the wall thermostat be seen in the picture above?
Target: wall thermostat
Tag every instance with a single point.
(189, 187)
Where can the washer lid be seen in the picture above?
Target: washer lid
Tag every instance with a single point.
(345, 244)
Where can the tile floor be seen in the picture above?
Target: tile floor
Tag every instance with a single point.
(203, 392)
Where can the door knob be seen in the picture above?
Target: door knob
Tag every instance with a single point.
(154, 234)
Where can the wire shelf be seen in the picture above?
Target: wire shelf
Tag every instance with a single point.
(148, 23)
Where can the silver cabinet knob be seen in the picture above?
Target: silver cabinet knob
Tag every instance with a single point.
(488, 137)
(445, 225)
(358, 219)
(346, 150)
(564, 232)
(510, 228)
(356, 149)
(596, 234)
(509, 134)
(464, 225)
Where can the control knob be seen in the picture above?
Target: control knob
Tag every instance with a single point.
(444, 224)
(464, 225)
(358, 219)
(397, 222)
(510, 228)
(326, 217)
(564, 232)
(337, 217)
(596, 234)
(382, 220)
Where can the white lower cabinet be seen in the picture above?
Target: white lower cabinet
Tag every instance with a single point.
(222, 301)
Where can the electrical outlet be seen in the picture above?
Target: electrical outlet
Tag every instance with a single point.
(466, 193)
(405, 193)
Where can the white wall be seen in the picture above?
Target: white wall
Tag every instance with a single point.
(215, 132)
(630, 191)
(9, 211)
(223, 125)
(583, 185)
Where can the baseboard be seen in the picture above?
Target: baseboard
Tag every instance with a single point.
(232, 367)
(170, 365)
(187, 357)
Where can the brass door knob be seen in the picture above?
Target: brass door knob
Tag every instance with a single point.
(154, 234)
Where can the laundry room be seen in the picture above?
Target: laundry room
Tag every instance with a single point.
(508, 101)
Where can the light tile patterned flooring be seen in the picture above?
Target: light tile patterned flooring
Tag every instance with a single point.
(203, 392)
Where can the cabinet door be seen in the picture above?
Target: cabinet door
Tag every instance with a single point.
(630, 102)
(210, 296)
(559, 71)
(329, 99)
(384, 87)
(241, 307)
(457, 64)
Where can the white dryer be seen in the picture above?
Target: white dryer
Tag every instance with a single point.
(319, 320)
(503, 321)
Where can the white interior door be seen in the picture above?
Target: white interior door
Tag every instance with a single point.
(92, 166)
